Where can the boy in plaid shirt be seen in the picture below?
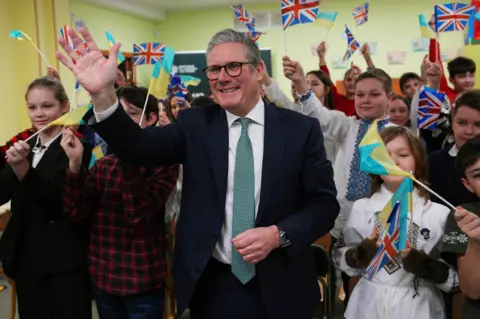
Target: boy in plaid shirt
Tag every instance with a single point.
(125, 205)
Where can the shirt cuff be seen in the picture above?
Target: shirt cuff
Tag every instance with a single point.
(102, 116)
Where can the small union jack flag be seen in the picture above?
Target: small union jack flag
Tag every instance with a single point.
(243, 16)
(353, 44)
(66, 37)
(360, 14)
(388, 249)
(177, 87)
(148, 53)
(299, 12)
(253, 34)
(429, 106)
(452, 16)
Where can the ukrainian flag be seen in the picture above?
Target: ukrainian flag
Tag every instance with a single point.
(97, 153)
(161, 75)
(111, 42)
(425, 31)
(374, 157)
(73, 117)
(403, 196)
(17, 34)
(326, 19)
(189, 80)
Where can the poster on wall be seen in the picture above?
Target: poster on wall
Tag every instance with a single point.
(420, 45)
(396, 57)
(193, 62)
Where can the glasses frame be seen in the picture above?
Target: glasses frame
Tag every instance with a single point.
(205, 70)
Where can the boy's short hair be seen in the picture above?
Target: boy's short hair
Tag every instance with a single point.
(378, 74)
(470, 99)
(468, 155)
(461, 65)
(136, 96)
(407, 77)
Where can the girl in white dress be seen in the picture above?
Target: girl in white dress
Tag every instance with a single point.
(409, 286)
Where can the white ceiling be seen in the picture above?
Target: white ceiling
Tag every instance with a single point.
(158, 9)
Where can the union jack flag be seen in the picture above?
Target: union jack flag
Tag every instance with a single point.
(148, 53)
(452, 16)
(177, 87)
(66, 37)
(388, 249)
(353, 44)
(360, 14)
(243, 16)
(429, 106)
(253, 34)
(299, 12)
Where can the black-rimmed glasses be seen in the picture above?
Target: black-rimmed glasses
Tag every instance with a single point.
(233, 69)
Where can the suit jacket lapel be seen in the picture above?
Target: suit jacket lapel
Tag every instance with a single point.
(273, 148)
(217, 143)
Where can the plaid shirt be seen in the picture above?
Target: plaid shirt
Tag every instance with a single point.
(126, 208)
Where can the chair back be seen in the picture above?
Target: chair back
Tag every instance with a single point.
(321, 259)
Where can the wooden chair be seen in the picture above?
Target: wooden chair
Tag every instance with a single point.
(4, 217)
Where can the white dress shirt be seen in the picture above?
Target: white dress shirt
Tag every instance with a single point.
(223, 249)
(38, 152)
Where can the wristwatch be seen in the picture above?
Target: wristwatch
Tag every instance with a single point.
(284, 240)
(305, 96)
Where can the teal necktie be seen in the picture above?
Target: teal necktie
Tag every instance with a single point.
(243, 201)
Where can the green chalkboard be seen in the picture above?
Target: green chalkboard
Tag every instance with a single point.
(193, 62)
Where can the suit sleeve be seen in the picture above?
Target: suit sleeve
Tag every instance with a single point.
(152, 192)
(319, 204)
(152, 147)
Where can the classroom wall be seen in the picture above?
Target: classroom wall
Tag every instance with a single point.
(126, 30)
(20, 61)
(392, 24)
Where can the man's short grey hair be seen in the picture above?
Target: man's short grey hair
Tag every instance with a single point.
(252, 52)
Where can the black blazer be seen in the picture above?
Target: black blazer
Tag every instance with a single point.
(297, 194)
(39, 235)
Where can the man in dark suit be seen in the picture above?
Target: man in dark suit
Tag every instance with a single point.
(257, 190)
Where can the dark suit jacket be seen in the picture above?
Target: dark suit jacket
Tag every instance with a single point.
(297, 194)
(39, 235)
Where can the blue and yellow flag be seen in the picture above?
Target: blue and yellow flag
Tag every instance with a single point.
(402, 197)
(189, 80)
(161, 75)
(374, 157)
(74, 117)
(19, 35)
(425, 31)
(97, 153)
(111, 42)
(326, 19)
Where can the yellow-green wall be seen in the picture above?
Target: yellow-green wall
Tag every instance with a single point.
(392, 24)
(20, 61)
(126, 30)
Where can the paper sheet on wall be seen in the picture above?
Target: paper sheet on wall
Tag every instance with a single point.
(396, 57)
(338, 63)
(420, 45)
(372, 45)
